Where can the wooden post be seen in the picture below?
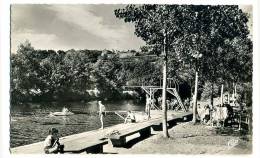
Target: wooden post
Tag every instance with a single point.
(164, 108)
(194, 119)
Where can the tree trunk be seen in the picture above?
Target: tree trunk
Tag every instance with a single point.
(212, 94)
(194, 119)
(191, 94)
(164, 106)
(221, 97)
(235, 91)
(211, 99)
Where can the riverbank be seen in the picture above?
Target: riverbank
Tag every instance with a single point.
(187, 138)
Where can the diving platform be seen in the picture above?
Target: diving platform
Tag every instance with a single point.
(151, 90)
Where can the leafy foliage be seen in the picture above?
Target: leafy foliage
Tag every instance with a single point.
(211, 38)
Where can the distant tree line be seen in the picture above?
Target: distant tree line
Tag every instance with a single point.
(48, 75)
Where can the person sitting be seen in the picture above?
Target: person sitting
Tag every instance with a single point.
(130, 118)
(65, 110)
(52, 144)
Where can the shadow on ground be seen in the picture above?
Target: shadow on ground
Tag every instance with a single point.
(134, 141)
(109, 153)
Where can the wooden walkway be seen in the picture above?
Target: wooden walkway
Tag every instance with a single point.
(100, 135)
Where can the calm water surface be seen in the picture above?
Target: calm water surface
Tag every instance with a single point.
(30, 122)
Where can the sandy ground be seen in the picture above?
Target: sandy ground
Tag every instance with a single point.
(187, 138)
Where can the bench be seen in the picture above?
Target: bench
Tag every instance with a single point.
(119, 140)
(81, 145)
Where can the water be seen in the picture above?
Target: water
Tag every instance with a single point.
(30, 122)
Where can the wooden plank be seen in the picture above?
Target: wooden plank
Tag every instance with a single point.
(73, 146)
(131, 130)
(35, 148)
(136, 127)
(144, 129)
(120, 140)
(172, 118)
(81, 145)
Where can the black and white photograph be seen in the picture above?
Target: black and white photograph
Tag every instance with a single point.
(131, 79)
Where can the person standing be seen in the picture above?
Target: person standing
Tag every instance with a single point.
(102, 113)
(148, 106)
(160, 102)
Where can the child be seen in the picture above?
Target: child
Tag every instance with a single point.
(52, 144)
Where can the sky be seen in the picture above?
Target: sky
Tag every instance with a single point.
(64, 27)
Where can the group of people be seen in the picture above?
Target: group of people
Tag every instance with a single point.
(52, 144)
(153, 103)
(130, 118)
(209, 114)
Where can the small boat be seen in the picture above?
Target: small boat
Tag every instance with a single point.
(64, 112)
(61, 113)
(13, 120)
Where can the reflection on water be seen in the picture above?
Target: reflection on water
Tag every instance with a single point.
(29, 123)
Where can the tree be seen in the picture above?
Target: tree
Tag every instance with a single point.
(158, 26)
(47, 75)
(207, 31)
(192, 31)
(228, 23)
(108, 76)
(23, 77)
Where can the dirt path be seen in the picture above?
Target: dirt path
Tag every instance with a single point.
(186, 138)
